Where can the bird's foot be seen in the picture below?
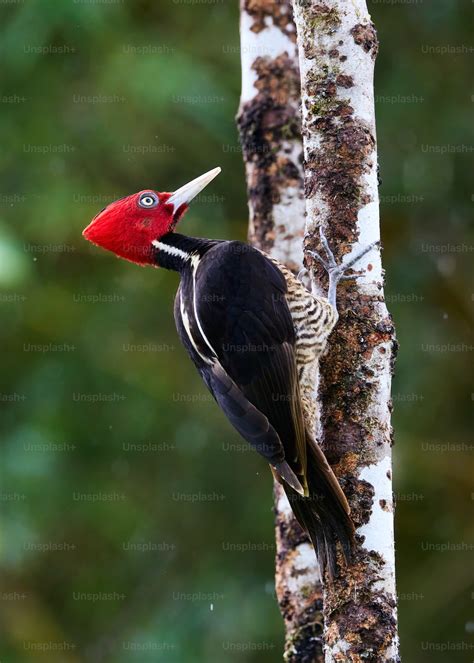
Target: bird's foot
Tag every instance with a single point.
(337, 272)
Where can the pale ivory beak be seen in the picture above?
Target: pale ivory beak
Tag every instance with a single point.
(186, 193)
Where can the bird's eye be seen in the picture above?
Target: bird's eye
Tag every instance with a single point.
(148, 200)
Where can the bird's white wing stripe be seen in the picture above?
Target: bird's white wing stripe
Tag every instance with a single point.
(194, 265)
(187, 327)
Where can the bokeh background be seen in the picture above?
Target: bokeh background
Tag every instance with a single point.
(135, 524)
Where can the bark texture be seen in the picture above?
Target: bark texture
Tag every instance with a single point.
(269, 122)
(337, 46)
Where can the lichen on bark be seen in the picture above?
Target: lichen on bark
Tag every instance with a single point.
(265, 124)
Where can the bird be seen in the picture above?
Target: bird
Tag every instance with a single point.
(255, 334)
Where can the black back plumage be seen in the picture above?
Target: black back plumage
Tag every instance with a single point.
(233, 318)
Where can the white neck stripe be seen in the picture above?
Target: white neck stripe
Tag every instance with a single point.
(171, 250)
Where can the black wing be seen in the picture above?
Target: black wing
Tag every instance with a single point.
(243, 344)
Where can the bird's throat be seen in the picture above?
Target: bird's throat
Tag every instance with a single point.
(175, 251)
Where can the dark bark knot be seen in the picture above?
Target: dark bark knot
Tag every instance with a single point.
(365, 35)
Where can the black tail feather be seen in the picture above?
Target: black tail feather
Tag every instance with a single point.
(325, 513)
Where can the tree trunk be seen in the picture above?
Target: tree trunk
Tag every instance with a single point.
(337, 45)
(270, 130)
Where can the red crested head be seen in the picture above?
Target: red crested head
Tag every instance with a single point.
(128, 226)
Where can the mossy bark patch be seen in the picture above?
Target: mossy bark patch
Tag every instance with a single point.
(266, 123)
(271, 12)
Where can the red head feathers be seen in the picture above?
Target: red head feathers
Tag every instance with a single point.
(128, 226)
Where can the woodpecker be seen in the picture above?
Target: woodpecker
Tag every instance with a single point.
(255, 334)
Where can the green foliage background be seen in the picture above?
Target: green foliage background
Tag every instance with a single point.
(168, 78)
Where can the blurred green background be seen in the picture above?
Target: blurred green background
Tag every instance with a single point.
(127, 500)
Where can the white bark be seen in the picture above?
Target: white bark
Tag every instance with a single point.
(337, 46)
(337, 49)
(273, 156)
(286, 214)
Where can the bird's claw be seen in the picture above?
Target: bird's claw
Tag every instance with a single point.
(336, 272)
(330, 255)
